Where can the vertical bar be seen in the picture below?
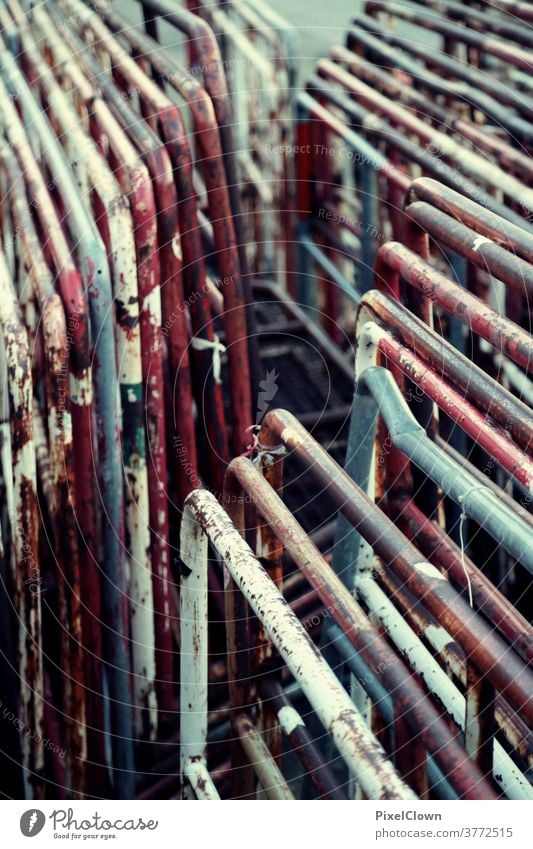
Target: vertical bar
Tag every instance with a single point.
(270, 551)
(241, 657)
(194, 644)
(480, 724)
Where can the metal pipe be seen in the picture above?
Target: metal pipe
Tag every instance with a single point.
(193, 645)
(486, 92)
(470, 162)
(429, 157)
(211, 163)
(502, 333)
(505, 773)
(445, 554)
(355, 142)
(265, 767)
(76, 370)
(95, 271)
(300, 739)
(336, 711)
(449, 120)
(471, 88)
(493, 23)
(507, 673)
(59, 420)
(201, 781)
(421, 715)
(479, 250)
(177, 143)
(458, 408)
(135, 176)
(517, 240)
(509, 412)
(25, 568)
(118, 232)
(476, 502)
(174, 327)
(509, 53)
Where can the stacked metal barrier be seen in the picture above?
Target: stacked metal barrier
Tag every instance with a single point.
(423, 640)
(107, 190)
(258, 57)
(207, 595)
(385, 109)
(400, 547)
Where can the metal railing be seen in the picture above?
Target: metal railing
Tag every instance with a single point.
(341, 633)
(206, 520)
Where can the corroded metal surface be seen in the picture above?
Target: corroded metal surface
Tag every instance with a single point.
(334, 594)
(26, 574)
(214, 592)
(509, 675)
(332, 704)
(502, 333)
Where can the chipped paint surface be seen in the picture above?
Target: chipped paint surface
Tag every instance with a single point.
(24, 523)
(290, 719)
(358, 747)
(118, 233)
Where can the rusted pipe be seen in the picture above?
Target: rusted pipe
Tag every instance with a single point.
(512, 414)
(358, 747)
(509, 675)
(502, 333)
(420, 713)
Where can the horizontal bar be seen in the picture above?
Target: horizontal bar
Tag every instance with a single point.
(516, 239)
(505, 335)
(414, 14)
(500, 404)
(456, 406)
(477, 249)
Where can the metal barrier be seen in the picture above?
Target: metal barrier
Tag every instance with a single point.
(204, 344)
(376, 390)
(95, 272)
(206, 519)
(428, 367)
(490, 256)
(341, 605)
(116, 225)
(371, 622)
(136, 186)
(395, 262)
(257, 55)
(20, 476)
(445, 118)
(316, 161)
(50, 325)
(500, 103)
(452, 33)
(363, 132)
(112, 196)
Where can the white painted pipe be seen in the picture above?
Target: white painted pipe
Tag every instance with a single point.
(357, 745)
